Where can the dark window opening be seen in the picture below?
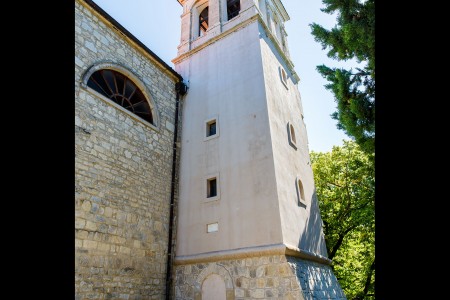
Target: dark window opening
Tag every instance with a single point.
(233, 8)
(212, 188)
(211, 128)
(203, 21)
(122, 91)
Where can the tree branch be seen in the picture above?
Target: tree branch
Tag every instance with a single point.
(331, 183)
(339, 242)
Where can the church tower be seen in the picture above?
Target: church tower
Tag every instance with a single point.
(248, 221)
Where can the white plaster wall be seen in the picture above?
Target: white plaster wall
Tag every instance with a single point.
(301, 225)
(226, 80)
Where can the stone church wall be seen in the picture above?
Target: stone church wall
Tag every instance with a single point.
(122, 173)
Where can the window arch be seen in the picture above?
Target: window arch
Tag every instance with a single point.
(213, 288)
(218, 270)
(291, 135)
(203, 21)
(291, 128)
(300, 191)
(121, 90)
(124, 89)
(233, 8)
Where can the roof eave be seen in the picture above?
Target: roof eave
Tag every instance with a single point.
(122, 29)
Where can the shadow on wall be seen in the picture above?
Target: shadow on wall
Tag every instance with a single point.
(317, 281)
(312, 238)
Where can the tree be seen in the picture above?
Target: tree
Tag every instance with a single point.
(352, 37)
(345, 186)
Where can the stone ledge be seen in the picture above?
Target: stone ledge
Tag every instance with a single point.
(296, 252)
(240, 253)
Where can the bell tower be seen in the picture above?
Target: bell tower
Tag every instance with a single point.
(248, 221)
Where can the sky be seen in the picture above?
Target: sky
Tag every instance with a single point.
(157, 25)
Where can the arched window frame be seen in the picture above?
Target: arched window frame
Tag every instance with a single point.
(301, 199)
(196, 9)
(283, 77)
(203, 17)
(292, 135)
(213, 287)
(136, 80)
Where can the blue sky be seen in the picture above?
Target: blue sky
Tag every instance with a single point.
(157, 25)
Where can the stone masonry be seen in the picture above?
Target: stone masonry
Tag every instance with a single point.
(123, 180)
(123, 171)
(317, 281)
(262, 277)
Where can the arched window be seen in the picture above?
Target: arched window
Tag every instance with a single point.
(300, 192)
(121, 90)
(203, 21)
(233, 8)
(293, 134)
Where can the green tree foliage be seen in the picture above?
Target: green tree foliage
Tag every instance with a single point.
(345, 186)
(352, 37)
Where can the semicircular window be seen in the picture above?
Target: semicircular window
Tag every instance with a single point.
(121, 90)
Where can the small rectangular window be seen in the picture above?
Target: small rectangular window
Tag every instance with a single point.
(212, 188)
(233, 7)
(214, 227)
(211, 128)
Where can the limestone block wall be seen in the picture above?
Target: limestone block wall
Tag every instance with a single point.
(261, 277)
(122, 172)
(317, 281)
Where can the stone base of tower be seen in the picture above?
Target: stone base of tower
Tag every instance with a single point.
(316, 280)
(258, 277)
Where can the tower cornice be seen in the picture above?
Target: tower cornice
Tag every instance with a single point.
(274, 40)
(213, 40)
(130, 38)
(280, 7)
(269, 34)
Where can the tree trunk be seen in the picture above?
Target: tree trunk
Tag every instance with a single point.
(339, 242)
(369, 278)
